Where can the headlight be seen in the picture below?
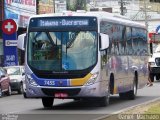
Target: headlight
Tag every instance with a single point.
(31, 80)
(92, 79)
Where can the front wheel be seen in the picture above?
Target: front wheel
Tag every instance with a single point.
(104, 101)
(47, 102)
(1, 94)
(9, 92)
(20, 91)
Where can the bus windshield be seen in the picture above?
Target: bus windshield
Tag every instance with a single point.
(62, 51)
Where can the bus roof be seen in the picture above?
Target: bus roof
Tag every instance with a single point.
(101, 15)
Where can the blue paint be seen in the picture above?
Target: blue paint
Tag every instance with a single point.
(10, 52)
(157, 29)
(57, 82)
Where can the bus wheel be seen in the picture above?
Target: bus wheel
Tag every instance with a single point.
(111, 84)
(122, 96)
(47, 102)
(132, 93)
(104, 101)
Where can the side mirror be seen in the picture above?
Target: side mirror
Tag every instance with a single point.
(104, 41)
(21, 41)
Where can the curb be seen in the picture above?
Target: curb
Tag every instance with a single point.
(129, 108)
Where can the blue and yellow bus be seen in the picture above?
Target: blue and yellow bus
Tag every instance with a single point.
(84, 55)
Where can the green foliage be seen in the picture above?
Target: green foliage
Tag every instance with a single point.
(78, 5)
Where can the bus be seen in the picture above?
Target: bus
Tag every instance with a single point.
(84, 55)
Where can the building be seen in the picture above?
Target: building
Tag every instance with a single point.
(1, 41)
(134, 9)
(20, 11)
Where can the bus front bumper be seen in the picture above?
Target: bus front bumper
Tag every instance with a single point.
(96, 90)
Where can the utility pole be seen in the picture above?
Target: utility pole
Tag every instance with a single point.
(122, 8)
(121, 2)
(145, 14)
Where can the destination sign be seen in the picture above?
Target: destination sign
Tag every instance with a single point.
(57, 23)
(63, 22)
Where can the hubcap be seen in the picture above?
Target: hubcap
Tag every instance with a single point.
(9, 90)
(0, 92)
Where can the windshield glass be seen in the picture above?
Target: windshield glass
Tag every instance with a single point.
(59, 51)
(13, 71)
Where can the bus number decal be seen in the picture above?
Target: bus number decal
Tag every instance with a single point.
(49, 82)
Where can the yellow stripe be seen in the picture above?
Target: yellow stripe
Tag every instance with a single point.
(115, 90)
(80, 81)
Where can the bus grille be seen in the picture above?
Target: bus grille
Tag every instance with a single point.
(157, 60)
(70, 92)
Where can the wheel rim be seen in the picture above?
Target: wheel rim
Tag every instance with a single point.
(135, 89)
(21, 88)
(9, 90)
(0, 92)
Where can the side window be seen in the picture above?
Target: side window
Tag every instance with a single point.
(139, 41)
(129, 40)
(135, 41)
(123, 40)
(107, 28)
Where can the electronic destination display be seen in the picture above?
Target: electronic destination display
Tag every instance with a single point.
(63, 22)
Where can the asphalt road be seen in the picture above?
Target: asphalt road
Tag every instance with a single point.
(15, 106)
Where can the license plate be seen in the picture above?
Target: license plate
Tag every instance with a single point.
(61, 95)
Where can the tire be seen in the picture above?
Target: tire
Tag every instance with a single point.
(9, 92)
(20, 91)
(152, 77)
(157, 77)
(77, 99)
(1, 93)
(130, 95)
(111, 84)
(24, 95)
(47, 102)
(104, 101)
(122, 96)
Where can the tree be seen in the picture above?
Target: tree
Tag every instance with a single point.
(76, 5)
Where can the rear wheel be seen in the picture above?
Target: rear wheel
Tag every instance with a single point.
(132, 93)
(47, 102)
